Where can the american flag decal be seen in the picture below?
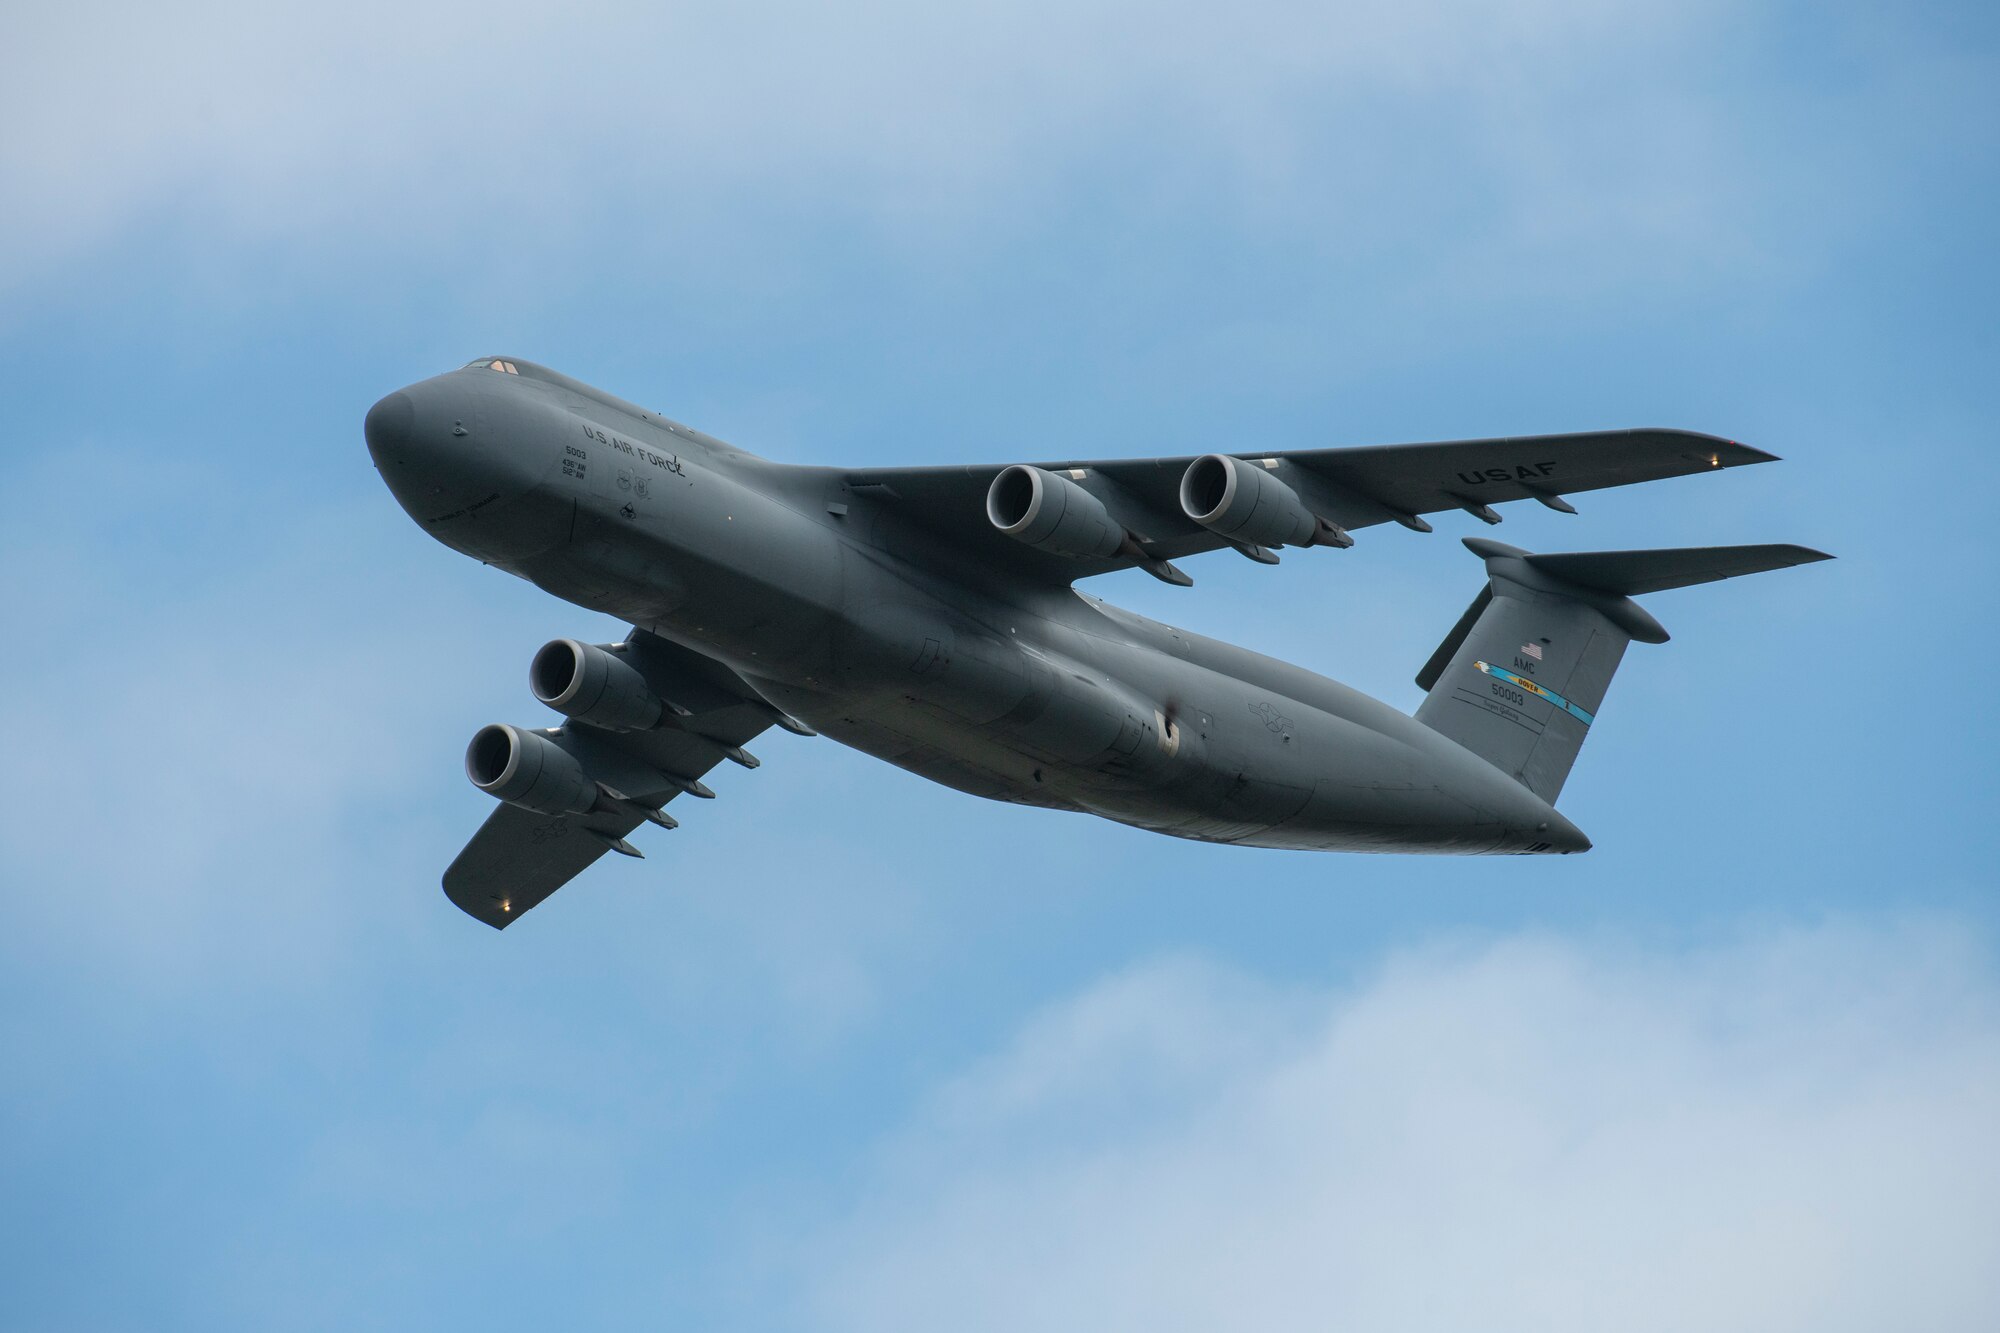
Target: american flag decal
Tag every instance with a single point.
(1533, 650)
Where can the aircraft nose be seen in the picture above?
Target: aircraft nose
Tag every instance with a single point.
(390, 426)
(415, 437)
(464, 461)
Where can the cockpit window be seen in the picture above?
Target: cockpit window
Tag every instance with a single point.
(504, 367)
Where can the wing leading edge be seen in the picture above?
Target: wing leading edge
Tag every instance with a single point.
(1351, 488)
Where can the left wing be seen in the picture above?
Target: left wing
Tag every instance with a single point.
(1346, 488)
(519, 856)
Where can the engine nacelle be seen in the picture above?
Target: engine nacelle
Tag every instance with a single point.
(594, 686)
(527, 769)
(1052, 513)
(1245, 503)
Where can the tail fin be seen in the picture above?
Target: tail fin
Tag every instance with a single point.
(1519, 679)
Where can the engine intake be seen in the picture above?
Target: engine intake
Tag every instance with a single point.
(1052, 513)
(1245, 503)
(527, 769)
(594, 686)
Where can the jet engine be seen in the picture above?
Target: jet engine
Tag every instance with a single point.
(1245, 503)
(1052, 513)
(527, 769)
(593, 685)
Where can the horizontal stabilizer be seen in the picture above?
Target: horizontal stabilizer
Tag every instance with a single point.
(1632, 573)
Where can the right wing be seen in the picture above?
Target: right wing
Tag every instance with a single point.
(519, 857)
(1353, 488)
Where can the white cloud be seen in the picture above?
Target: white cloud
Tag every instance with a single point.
(1785, 1133)
(512, 124)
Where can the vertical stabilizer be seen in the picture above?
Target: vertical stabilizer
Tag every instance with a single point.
(1520, 678)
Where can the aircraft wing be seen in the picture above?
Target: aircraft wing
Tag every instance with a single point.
(519, 857)
(1349, 488)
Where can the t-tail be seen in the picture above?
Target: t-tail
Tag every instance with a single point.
(1520, 678)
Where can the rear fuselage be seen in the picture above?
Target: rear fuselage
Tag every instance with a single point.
(862, 623)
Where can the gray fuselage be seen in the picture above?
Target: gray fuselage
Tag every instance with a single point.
(862, 623)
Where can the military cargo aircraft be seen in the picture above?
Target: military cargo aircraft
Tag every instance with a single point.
(928, 616)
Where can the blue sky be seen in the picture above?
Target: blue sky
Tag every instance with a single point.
(851, 1051)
